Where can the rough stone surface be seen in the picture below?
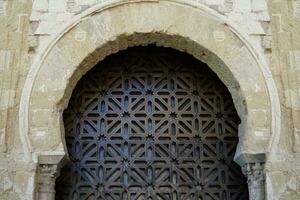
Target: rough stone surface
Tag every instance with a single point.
(47, 45)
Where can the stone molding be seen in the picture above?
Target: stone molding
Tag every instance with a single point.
(256, 180)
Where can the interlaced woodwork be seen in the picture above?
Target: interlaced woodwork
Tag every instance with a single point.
(151, 123)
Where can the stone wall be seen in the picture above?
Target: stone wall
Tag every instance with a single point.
(284, 167)
(16, 174)
(28, 28)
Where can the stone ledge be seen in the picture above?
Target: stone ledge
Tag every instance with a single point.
(244, 158)
(54, 159)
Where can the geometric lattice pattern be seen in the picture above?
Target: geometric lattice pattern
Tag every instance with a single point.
(151, 123)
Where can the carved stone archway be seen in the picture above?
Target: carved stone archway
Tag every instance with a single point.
(105, 29)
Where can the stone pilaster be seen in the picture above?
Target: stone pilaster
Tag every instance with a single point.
(46, 181)
(256, 180)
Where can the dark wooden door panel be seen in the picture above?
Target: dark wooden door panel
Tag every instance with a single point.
(151, 123)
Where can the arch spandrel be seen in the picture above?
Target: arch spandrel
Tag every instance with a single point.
(89, 41)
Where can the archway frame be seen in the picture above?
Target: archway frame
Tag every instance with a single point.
(112, 26)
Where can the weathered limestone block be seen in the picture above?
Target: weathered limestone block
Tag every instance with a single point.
(5, 182)
(40, 5)
(259, 5)
(71, 5)
(57, 6)
(243, 6)
(2, 7)
(284, 183)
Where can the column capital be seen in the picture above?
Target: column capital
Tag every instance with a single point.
(254, 172)
(47, 173)
(48, 170)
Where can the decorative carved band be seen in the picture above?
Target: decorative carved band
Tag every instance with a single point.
(256, 180)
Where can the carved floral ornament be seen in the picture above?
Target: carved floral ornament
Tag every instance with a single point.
(47, 173)
(256, 179)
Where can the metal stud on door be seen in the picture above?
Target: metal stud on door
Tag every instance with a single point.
(151, 123)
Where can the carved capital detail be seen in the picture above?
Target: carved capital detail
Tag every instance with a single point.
(46, 181)
(256, 180)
